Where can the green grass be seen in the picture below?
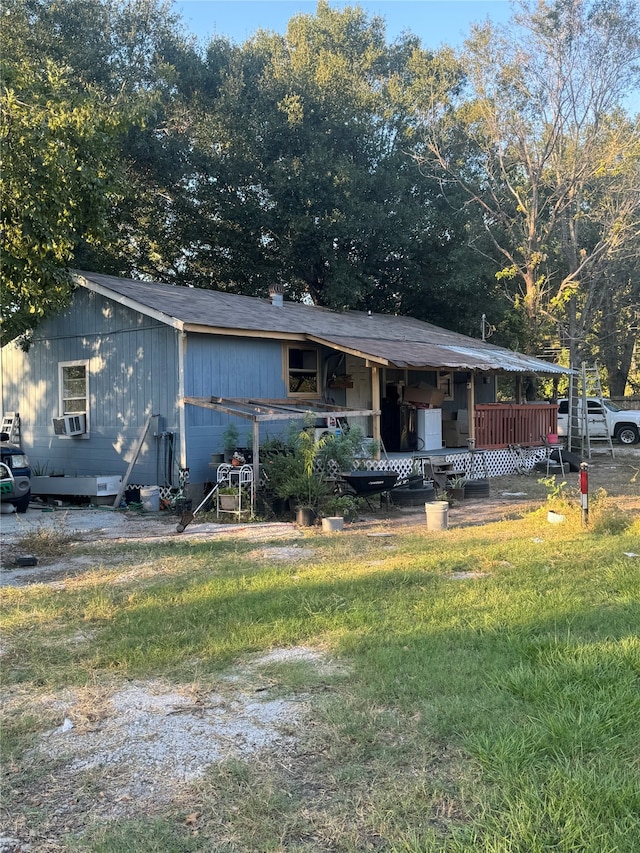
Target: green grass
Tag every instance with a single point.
(495, 713)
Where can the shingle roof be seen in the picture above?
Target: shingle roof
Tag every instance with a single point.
(387, 339)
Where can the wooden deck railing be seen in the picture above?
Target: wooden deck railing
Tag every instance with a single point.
(501, 424)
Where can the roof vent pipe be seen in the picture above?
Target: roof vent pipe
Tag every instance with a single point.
(276, 292)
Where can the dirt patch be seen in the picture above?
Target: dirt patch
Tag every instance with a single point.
(86, 530)
(126, 749)
(151, 740)
(285, 554)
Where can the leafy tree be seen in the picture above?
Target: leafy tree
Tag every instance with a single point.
(620, 310)
(57, 173)
(149, 57)
(551, 154)
(76, 77)
(302, 174)
(285, 159)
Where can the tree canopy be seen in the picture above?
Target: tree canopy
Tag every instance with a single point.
(58, 171)
(76, 80)
(552, 157)
(356, 172)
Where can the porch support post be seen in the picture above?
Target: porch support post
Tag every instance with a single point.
(256, 453)
(471, 405)
(375, 405)
(181, 345)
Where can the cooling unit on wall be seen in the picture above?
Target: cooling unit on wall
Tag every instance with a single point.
(322, 432)
(70, 424)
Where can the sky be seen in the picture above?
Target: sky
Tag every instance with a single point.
(436, 22)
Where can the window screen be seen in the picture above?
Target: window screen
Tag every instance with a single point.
(303, 370)
(73, 388)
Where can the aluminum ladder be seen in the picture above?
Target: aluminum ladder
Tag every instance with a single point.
(11, 425)
(578, 415)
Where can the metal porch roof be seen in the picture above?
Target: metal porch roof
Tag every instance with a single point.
(419, 354)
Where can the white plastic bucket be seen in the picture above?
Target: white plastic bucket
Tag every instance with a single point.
(333, 523)
(150, 498)
(555, 517)
(437, 513)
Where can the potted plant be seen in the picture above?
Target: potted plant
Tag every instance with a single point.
(229, 498)
(304, 489)
(415, 479)
(237, 459)
(346, 506)
(557, 501)
(291, 475)
(274, 453)
(308, 485)
(455, 489)
(234, 499)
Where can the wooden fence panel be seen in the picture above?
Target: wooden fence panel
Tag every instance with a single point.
(527, 424)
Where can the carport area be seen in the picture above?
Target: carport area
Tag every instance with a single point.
(267, 411)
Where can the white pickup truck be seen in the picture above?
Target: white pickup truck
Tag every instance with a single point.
(623, 424)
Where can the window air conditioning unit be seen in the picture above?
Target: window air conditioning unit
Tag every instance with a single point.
(322, 432)
(70, 424)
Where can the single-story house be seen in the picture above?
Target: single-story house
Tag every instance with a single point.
(141, 379)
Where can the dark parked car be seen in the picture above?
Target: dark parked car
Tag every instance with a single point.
(15, 475)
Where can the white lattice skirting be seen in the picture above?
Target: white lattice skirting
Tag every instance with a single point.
(498, 462)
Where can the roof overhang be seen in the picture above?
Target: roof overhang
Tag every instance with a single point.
(350, 348)
(421, 355)
(127, 301)
(200, 329)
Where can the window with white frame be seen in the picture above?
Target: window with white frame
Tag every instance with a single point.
(303, 370)
(73, 387)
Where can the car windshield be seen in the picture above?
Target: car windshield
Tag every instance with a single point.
(612, 406)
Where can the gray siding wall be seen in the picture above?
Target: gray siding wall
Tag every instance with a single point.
(133, 372)
(227, 366)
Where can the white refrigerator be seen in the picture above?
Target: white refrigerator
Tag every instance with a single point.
(429, 429)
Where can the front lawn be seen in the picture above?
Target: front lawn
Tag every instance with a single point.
(480, 690)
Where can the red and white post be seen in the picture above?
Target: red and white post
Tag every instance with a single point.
(584, 492)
